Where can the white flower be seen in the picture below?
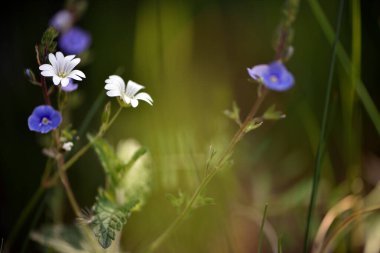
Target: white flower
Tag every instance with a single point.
(61, 68)
(116, 88)
(67, 146)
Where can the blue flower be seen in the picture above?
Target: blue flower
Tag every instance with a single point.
(274, 76)
(44, 119)
(62, 20)
(74, 41)
(70, 87)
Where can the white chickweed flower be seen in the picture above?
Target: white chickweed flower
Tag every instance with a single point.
(67, 146)
(115, 87)
(61, 68)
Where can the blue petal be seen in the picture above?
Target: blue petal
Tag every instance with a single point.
(283, 81)
(258, 72)
(55, 119)
(70, 87)
(41, 112)
(34, 123)
(74, 41)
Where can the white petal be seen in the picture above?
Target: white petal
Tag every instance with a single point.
(112, 86)
(133, 88)
(75, 77)
(52, 59)
(65, 81)
(47, 73)
(117, 79)
(134, 102)
(113, 93)
(69, 57)
(78, 73)
(115, 82)
(56, 79)
(126, 99)
(71, 65)
(46, 67)
(145, 97)
(60, 57)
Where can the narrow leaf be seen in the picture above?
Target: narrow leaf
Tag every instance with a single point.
(253, 124)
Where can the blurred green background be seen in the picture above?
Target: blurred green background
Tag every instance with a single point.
(192, 57)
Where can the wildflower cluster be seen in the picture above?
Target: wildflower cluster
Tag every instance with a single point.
(127, 180)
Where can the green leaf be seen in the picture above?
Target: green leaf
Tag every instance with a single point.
(234, 114)
(253, 124)
(272, 114)
(109, 218)
(106, 113)
(47, 45)
(107, 156)
(177, 200)
(139, 153)
(203, 201)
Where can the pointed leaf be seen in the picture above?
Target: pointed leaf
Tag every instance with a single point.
(272, 114)
(107, 156)
(253, 124)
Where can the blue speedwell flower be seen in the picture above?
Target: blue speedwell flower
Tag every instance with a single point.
(70, 87)
(74, 41)
(44, 119)
(274, 76)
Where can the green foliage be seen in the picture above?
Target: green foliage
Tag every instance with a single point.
(180, 200)
(253, 124)
(234, 114)
(272, 114)
(107, 156)
(47, 45)
(109, 218)
(125, 191)
(106, 114)
(105, 117)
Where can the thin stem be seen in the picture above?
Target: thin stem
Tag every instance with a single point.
(321, 146)
(236, 138)
(342, 226)
(45, 91)
(361, 90)
(85, 148)
(66, 184)
(45, 184)
(261, 235)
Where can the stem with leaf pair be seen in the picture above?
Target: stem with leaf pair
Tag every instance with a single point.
(206, 180)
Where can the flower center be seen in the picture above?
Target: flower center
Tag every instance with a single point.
(45, 121)
(62, 74)
(273, 79)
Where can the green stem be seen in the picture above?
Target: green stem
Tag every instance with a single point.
(237, 137)
(321, 145)
(46, 184)
(259, 249)
(361, 90)
(85, 148)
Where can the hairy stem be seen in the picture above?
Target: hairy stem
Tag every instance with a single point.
(45, 184)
